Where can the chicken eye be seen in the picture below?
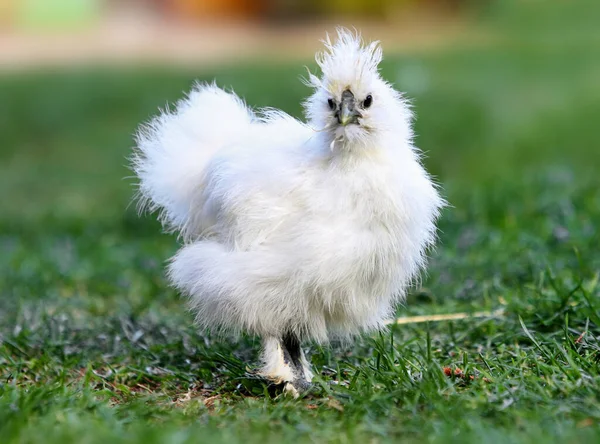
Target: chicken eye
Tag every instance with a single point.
(331, 104)
(368, 101)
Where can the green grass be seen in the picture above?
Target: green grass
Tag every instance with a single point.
(94, 347)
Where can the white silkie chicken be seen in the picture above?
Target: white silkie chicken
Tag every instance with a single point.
(293, 231)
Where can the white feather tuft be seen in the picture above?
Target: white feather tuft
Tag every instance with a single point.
(348, 60)
(174, 148)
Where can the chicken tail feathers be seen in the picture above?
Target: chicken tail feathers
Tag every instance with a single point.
(174, 148)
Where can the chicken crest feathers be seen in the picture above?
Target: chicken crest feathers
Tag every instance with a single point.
(347, 58)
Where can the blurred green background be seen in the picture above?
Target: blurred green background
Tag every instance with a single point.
(507, 102)
(514, 95)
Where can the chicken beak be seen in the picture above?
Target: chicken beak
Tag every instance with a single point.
(347, 113)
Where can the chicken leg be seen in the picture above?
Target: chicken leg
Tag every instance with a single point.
(284, 363)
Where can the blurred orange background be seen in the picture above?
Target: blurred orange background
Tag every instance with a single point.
(36, 33)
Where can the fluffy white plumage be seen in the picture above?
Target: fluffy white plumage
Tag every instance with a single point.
(304, 229)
